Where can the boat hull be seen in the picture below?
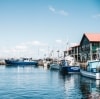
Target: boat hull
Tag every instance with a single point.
(54, 66)
(9, 62)
(70, 69)
(90, 74)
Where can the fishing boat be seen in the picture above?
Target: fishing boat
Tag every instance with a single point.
(68, 65)
(92, 69)
(56, 62)
(47, 62)
(21, 61)
(55, 65)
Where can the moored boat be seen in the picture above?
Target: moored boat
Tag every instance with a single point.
(22, 61)
(92, 69)
(66, 68)
(47, 62)
(55, 62)
(68, 65)
(55, 65)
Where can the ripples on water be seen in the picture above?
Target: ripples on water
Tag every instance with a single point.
(29, 82)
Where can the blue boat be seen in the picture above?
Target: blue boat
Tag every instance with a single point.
(66, 68)
(22, 61)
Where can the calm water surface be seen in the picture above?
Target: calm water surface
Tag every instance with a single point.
(30, 82)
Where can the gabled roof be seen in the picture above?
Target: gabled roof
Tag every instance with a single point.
(92, 37)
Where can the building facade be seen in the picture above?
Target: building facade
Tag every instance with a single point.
(87, 49)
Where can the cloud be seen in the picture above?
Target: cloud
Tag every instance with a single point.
(59, 41)
(96, 16)
(26, 49)
(20, 48)
(51, 9)
(38, 43)
(16, 49)
(35, 43)
(42, 50)
(60, 12)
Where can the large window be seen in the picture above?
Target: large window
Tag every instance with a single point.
(95, 44)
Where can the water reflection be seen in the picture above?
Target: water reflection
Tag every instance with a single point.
(90, 88)
(21, 66)
(71, 83)
(78, 87)
(49, 84)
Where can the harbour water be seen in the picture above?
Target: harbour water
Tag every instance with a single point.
(30, 82)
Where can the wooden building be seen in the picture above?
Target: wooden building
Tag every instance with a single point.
(87, 48)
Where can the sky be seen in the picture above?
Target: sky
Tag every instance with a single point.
(37, 28)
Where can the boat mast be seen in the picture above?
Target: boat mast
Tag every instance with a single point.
(67, 48)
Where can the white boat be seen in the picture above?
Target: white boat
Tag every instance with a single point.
(71, 61)
(47, 62)
(92, 70)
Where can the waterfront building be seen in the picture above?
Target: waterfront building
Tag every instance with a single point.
(87, 49)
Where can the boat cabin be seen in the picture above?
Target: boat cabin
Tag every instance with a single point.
(93, 66)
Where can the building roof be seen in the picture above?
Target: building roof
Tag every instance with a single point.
(69, 49)
(92, 37)
(75, 45)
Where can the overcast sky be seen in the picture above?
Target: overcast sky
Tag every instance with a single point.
(33, 28)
